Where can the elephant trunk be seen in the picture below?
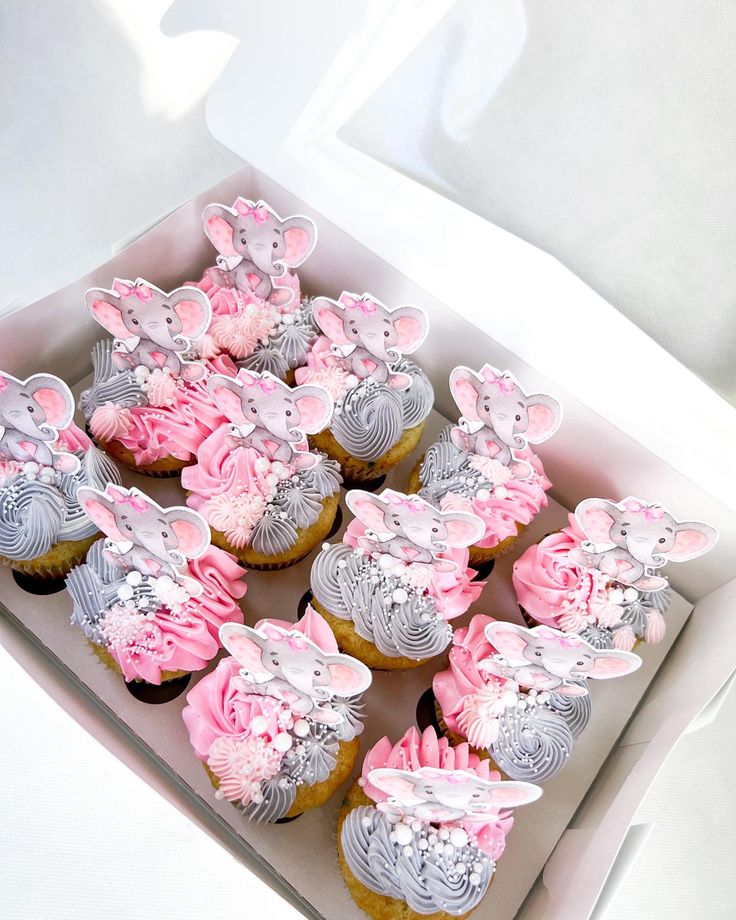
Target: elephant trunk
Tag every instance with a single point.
(26, 425)
(263, 261)
(504, 430)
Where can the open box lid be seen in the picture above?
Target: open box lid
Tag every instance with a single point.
(566, 336)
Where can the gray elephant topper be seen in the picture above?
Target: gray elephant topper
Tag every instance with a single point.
(32, 412)
(283, 663)
(409, 528)
(256, 247)
(269, 415)
(371, 336)
(543, 658)
(441, 796)
(498, 416)
(631, 539)
(154, 541)
(153, 328)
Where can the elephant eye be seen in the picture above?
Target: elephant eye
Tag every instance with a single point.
(580, 663)
(288, 413)
(476, 795)
(435, 530)
(169, 320)
(623, 533)
(276, 245)
(386, 333)
(135, 322)
(275, 662)
(317, 673)
(164, 534)
(661, 540)
(31, 409)
(128, 527)
(518, 418)
(243, 241)
(538, 654)
(254, 410)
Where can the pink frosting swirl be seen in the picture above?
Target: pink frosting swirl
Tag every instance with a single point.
(186, 641)
(72, 439)
(414, 751)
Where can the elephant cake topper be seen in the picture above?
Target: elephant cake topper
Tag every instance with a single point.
(256, 247)
(270, 416)
(499, 417)
(410, 529)
(32, 412)
(370, 336)
(152, 329)
(546, 659)
(286, 665)
(144, 537)
(441, 796)
(631, 539)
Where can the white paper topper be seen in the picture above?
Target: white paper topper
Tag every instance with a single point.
(630, 539)
(441, 796)
(288, 666)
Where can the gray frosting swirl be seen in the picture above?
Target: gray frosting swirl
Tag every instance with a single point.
(600, 637)
(278, 793)
(96, 470)
(293, 340)
(446, 469)
(274, 533)
(324, 477)
(634, 613)
(453, 880)
(110, 384)
(313, 758)
(352, 586)
(575, 710)
(417, 400)
(265, 357)
(353, 716)
(368, 420)
(533, 742)
(302, 505)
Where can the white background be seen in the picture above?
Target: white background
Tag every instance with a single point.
(104, 131)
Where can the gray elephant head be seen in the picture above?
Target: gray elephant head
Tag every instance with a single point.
(253, 232)
(265, 402)
(498, 402)
(440, 795)
(413, 519)
(36, 408)
(648, 533)
(364, 322)
(170, 536)
(272, 652)
(136, 312)
(563, 657)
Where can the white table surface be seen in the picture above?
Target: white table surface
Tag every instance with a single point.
(104, 131)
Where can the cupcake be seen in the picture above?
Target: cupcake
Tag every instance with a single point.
(422, 829)
(400, 575)
(44, 460)
(277, 724)
(258, 315)
(600, 577)
(520, 696)
(268, 499)
(484, 464)
(152, 596)
(382, 400)
(148, 405)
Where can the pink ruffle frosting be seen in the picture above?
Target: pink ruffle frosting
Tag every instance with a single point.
(414, 751)
(73, 439)
(325, 369)
(189, 640)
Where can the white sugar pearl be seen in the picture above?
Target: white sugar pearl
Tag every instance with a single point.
(164, 582)
(352, 381)
(125, 592)
(400, 596)
(501, 492)
(402, 834)
(386, 562)
(287, 319)
(483, 495)
(630, 595)
(616, 596)
(30, 468)
(134, 578)
(449, 849)
(261, 465)
(474, 878)
(423, 845)
(444, 834)
(301, 728)
(458, 837)
(282, 741)
(258, 725)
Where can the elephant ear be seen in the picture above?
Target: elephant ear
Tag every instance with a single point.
(193, 309)
(397, 784)
(54, 397)
(330, 317)
(227, 395)
(105, 308)
(219, 224)
(348, 676)
(245, 645)
(300, 237)
(462, 529)
(99, 509)
(509, 639)
(692, 539)
(545, 415)
(369, 509)
(466, 388)
(411, 327)
(315, 408)
(513, 793)
(192, 531)
(613, 663)
(596, 517)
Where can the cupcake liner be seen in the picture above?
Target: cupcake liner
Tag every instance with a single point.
(57, 562)
(357, 471)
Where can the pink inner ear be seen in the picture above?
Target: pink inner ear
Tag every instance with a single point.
(511, 795)
(393, 784)
(102, 517)
(464, 532)
(410, 330)
(220, 234)
(193, 316)
(688, 543)
(314, 412)
(506, 640)
(193, 538)
(368, 510)
(230, 404)
(466, 397)
(55, 405)
(330, 321)
(244, 650)
(606, 666)
(346, 680)
(542, 421)
(597, 524)
(298, 245)
(110, 318)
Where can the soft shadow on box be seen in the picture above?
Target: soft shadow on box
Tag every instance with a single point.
(589, 456)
